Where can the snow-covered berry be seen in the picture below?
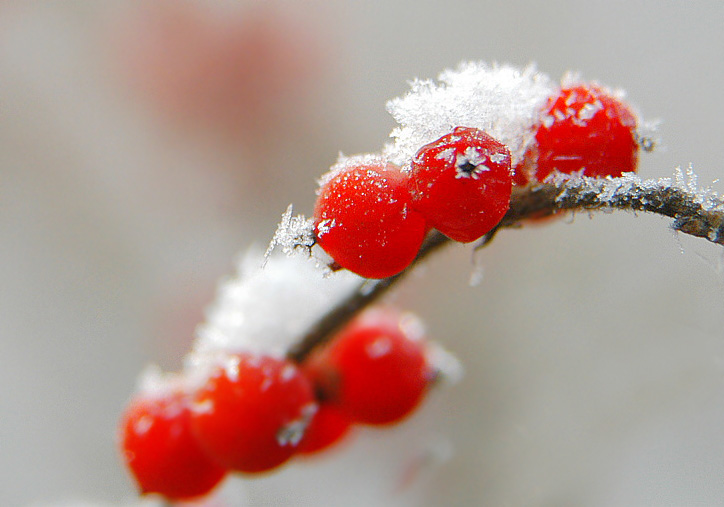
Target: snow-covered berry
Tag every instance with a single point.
(585, 129)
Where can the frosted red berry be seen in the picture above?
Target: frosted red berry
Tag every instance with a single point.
(252, 412)
(589, 130)
(375, 369)
(328, 427)
(461, 183)
(161, 451)
(363, 219)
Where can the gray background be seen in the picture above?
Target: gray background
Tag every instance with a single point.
(593, 349)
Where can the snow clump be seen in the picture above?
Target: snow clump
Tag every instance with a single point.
(502, 100)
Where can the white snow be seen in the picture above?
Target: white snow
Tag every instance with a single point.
(266, 309)
(155, 383)
(502, 100)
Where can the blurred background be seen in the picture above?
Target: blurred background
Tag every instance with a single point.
(144, 144)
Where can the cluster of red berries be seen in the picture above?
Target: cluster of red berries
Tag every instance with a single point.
(371, 217)
(255, 412)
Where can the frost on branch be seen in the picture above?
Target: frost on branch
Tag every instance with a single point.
(699, 212)
(696, 211)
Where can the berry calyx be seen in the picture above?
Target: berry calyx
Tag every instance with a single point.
(375, 369)
(364, 220)
(585, 129)
(252, 412)
(461, 183)
(161, 451)
(328, 426)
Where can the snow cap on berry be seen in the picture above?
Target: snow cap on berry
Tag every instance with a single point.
(501, 100)
(345, 162)
(155, 383)
(573, 79)
(646, 130)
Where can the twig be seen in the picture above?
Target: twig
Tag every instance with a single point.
(699, 214)
(367, 292)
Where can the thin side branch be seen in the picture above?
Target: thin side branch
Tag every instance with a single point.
(698, 213)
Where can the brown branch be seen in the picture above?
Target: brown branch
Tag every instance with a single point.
(699, 214)
(368, 292)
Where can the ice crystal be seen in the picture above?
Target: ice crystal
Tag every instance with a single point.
(688, 182)
(293, 233)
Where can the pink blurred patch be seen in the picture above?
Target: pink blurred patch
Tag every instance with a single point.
(244, 71)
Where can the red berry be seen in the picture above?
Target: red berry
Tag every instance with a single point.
(375, 369)
(161, 451)
(363, 219)
(252, 412)
(461, 183)
(328, 427)
(584, 128)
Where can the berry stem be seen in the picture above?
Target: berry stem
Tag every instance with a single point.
(694, 213)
